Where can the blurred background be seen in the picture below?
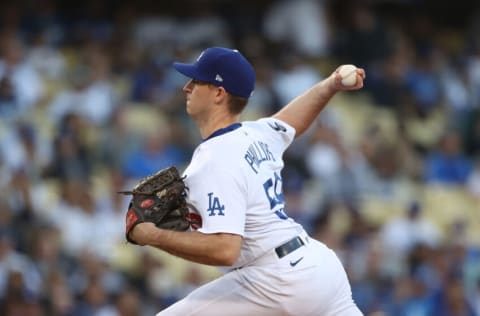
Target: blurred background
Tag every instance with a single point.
(389, 177)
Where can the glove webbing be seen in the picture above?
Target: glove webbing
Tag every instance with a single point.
(155, 182)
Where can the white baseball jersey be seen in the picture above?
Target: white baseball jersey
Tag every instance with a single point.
(235, 185)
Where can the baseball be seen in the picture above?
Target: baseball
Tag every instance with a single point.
(348, 74)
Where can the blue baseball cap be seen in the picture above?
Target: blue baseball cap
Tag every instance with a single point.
(222, 67)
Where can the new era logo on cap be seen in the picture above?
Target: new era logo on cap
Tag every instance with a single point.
(222, 67)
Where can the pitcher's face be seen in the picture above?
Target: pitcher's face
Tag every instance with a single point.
(199, 96)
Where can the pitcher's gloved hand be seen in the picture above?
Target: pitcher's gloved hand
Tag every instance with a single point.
(160, 199)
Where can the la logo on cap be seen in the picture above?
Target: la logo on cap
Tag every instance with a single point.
(218, 78)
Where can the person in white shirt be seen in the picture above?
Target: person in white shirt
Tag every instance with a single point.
(234, 185)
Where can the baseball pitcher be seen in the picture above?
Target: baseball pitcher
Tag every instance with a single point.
(233, 214)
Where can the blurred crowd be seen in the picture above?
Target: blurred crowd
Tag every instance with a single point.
(389, 177)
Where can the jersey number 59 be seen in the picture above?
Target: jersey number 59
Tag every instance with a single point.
(273, 190)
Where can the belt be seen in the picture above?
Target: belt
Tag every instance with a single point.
(289, 246)
(280, 252)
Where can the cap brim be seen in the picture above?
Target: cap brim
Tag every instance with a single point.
(188, 70)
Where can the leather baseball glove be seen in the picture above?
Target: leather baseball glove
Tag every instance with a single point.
(160, 199)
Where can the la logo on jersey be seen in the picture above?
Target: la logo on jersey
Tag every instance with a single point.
(215, 206)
